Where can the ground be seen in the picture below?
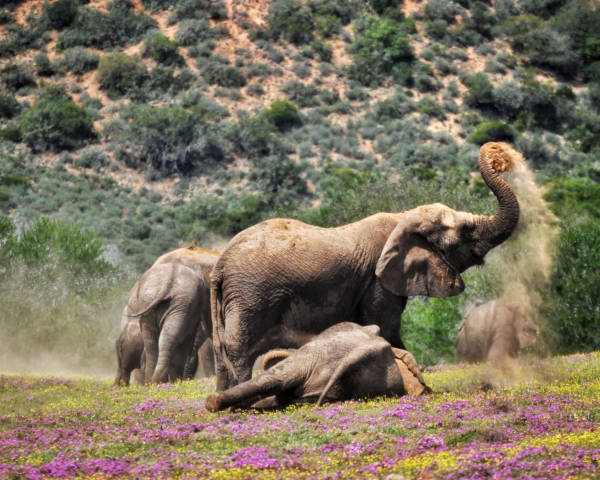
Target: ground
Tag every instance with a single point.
(543, 426)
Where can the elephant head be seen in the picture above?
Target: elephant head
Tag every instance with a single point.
(526, 330)
(432, 245)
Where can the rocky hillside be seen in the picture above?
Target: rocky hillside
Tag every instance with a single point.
(155, 122)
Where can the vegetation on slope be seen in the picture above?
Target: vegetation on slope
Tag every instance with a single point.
(168, 121)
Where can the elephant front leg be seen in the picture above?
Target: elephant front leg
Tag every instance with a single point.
(245, 394)
(382, 308)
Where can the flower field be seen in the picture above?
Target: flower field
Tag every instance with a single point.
(543, 426)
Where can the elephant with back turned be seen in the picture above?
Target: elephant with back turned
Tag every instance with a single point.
(494, 331)
(346, 361)
(167, 319)
(282, 281)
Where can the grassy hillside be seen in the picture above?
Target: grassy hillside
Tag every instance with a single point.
(153, 123)
(544, 426)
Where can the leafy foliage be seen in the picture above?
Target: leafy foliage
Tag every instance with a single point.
(283, 114)
(381, 48)
(119, 73)
(55, 124)
(93, 28)
(290, 20)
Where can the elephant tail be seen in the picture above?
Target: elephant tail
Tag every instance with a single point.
(158, 298)
(218, 319)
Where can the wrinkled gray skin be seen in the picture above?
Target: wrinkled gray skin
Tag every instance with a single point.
(170, 305)
(493, 331)
(282, 281)
(346, 361)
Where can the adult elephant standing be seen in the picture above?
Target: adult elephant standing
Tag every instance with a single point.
(280, 282)
(170, 306)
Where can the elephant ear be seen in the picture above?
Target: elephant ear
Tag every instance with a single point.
(409, 265)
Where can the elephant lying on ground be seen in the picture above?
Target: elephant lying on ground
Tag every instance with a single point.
(346, 361)
(282, 281)
(493, 331)
(170, 305)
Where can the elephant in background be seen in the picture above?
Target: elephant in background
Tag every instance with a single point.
(130, 351)
(346, 361)
(170, 305)
(280, 282)
(493, 331)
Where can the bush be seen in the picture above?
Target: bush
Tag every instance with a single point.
(192, 31)
(572, 306)
(161, 49)
(492, 131)
(290, 20)
(381, 47)
(283, 114)
(56, 124)
(71, 317)
(223, 75)
(254, 137)
(9, 106)
(43, 66)
(79, 60)
(480, 90)
(574, 197)
(17, 75)
(118, 73)
(255, 89)
(278, 179)
(157, 137)
(428, 106)
(118, 27)
(61, 13)
(302, 95)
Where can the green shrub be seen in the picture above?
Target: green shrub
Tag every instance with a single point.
(17, 75)
(492, 131)
(428, 106)
(43, 66)
(283, 114)
(11, 134)
(301, 94)
(278, 179)
(572, 306)
(118, 73)
(480, 90)
(17, 38)
(79, 60)
(9, 106)
(574, 197)
(56, 124)
(255, 89)
(381, 47)
(429, 327)
(161, 49)
(156, 137)
(290, 20)
(253, 137)
(61, 13)
(93, 28)
(193, 31)
(223, 75)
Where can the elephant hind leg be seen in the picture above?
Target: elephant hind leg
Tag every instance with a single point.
(150, 336)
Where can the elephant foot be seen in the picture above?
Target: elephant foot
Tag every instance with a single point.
(214, 402)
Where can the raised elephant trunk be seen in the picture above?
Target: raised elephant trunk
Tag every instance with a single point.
(495, 158)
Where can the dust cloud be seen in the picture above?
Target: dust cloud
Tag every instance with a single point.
(59, 322)
(524, 265)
